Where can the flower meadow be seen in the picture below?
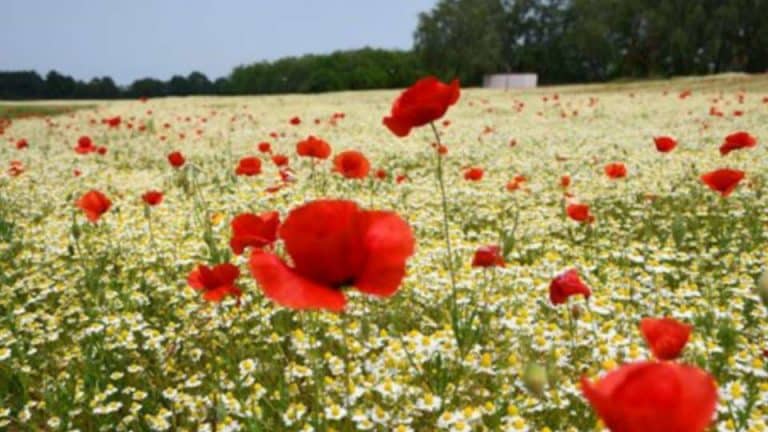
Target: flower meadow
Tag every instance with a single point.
(438, 258)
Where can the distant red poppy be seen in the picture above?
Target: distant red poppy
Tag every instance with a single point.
(22, 144)
(665, 144)
(488, 256)
(313, 147)
(665, 336)
(737, 141)
(512, 185)
(723, 181)
(474, 174)
(381, 174)
(401, 178)
(77, 172)
(253, 230)
(85, 145)
(215, 282)
(176, 159)
(654, 396)
(565, 181)
(265, 147)
(16, 168)
(425, 101)
(152, 198)
(248, 166)
(351, 164)
(113, 122)
(280, 160)
(565, 285)
(333, 244)
(295, 121)
(616, 170)
(579, 212)
(101, 150)
(94, 204)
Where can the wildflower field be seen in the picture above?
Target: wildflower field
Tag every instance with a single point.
(578, 258)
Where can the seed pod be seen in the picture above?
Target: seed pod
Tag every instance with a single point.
(535, 378)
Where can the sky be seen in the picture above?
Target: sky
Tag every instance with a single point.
(133, 39)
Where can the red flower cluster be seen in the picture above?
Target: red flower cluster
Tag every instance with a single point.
(737, 141)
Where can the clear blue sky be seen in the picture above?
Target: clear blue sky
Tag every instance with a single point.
(130, 39)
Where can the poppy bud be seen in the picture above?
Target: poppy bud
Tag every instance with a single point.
(576, 311)
(75, 231)
(535, 378)
(762, 287)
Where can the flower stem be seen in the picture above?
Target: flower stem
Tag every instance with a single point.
(446, 234)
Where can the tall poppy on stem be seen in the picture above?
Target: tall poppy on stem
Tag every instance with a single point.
(94, 204)
(723, 181)
(351, 164)
(151, 198)
(424, 102)
(334, 244)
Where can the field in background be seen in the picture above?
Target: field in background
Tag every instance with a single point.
(99, 329)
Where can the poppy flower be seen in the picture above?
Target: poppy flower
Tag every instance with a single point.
(474, 174)
(101, 150)
(280, 160)
(215, 282)
(737, 141)
(295, 121)
(84, 145)
(723, 181)
(665, 336)
(313, 147)
(616, 170)
(565, 285)
(22, 144)
(152, 198)
(381, 174)
(333, 244)
(16, 168)
(579, 212)
(249, 166)
(425, 101)
(176, 159)
(94, 204)
(665, 144)
(113, 122)
(488, 256)
(253, 230)
(265, 147)
(513, 185)
(654, 396)
(401, 178)
(565, 181)
(351, 164)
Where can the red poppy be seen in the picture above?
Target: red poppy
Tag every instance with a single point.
(176, 159)
(152, 198)
(488, 256)
(513, 185)
(94, 204)
(401, 178)
(579, 212)
(253, 230)
(113, 122)
(652, 396)
(295, 121)
(737, 141)
(616, 170)
(425, 101)
(216, 282)
(665, 336)
(665, 144)
(351, 164)
(22, 144)
(333, 244)
(474, 174)
(265, 147)
(101, 150)
(85, 145)
(249, 166)
(313, 147)
(16, 168)
(723, 180)
(565, 285)
(280, 160)
(565, 181)
(381, 174)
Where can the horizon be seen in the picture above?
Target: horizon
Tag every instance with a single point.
(179, 37)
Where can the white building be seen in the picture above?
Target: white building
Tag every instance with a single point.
(511, 81)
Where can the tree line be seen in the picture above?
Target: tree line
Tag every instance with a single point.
(564, 41)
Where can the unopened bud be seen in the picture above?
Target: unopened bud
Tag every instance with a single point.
(535, 378)
(762, 287)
